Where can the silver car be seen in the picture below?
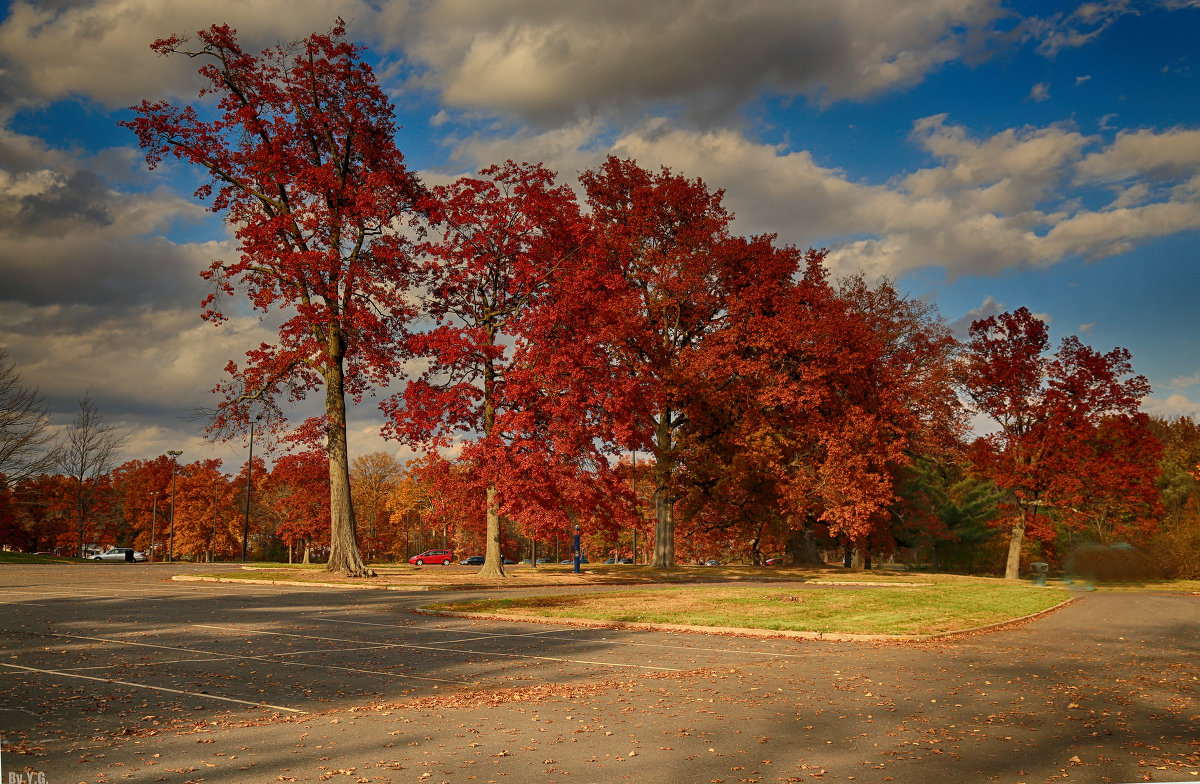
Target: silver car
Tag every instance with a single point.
(120, 554)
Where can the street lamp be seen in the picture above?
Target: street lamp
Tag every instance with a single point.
(153, 522)
(249, 472)
(171, 542)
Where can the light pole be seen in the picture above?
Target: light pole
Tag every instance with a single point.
(171, 542)
(249, 472)
(153, 522)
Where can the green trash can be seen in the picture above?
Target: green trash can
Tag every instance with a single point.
(1039, 570)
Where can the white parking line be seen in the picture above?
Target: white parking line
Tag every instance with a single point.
(477, 636)
(243, 630)
(155, 688)
(264, 658)
(559, 634)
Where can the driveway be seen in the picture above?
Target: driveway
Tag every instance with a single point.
(111, 672)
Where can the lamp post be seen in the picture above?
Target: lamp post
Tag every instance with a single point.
(171, 542)
(153, 522)
(249, 472)
(636, 512)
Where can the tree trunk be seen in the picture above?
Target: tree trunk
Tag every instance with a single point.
(493, 561)
(343, 540)
(802, 547)
(1012, 570)
(664, 506)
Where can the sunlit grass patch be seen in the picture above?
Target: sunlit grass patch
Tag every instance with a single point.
(915, 610)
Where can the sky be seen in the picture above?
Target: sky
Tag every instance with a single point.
(984, 154)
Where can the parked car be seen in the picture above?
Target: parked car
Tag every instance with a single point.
(712, 562)
(472, 560)
(773, 561)
(120, 554)
(443, 557)
(509, 562)
(545, 560)
(571, 561)
(625, 561)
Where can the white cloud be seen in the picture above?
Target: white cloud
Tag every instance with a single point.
(101, 50)
(1039, 92)
(1172, 406)
(549, 61)
(1145, 154)
(1085, 328)
(537, 58)
(1183, 382)
(987, 205)
(1077, 28)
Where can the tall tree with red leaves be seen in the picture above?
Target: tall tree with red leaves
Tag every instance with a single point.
(303, 164)
(506, 372)
(668, 239)
(299, 488)
(1062, 421)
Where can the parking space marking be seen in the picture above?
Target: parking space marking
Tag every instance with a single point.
(262, 658)
(155, 688)
(413, 646)
(559, 634)
(478, 635)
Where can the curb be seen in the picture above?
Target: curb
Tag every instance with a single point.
(193, 578)
(723, 631)
(738, 631)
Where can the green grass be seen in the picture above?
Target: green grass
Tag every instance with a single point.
(952, 605)
(30, 558)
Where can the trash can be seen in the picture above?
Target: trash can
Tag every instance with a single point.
(1040, 570)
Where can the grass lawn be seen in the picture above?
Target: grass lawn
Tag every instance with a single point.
(30, 558)
(952, 604)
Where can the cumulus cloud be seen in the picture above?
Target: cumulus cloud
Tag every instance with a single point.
(101, 50)
(1145, 153)
(1039, 92)
(540, 59)
(67, 237)
(988, 204)
(548, 61)
(1171, 406)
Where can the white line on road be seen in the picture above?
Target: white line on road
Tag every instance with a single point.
(559, 634)
(412, 646)
(155, 688)
(265, 657)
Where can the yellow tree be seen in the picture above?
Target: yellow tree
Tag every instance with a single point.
(372, 480)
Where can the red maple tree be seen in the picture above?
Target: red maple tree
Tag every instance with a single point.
(298, 487)
(1071, 446)
(303, 165)
(667, 238)
(505, 374)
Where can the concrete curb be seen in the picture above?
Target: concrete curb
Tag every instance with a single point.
(737, 631)
(195, 578)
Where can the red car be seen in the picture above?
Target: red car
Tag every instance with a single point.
(443, 557)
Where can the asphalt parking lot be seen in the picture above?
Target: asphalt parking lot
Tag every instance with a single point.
(112, 672)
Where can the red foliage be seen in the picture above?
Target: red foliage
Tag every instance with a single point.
(1071, 448)
(303, 164)
(509, 368)
(299, 488)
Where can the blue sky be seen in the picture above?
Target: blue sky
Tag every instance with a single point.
(986, 154)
